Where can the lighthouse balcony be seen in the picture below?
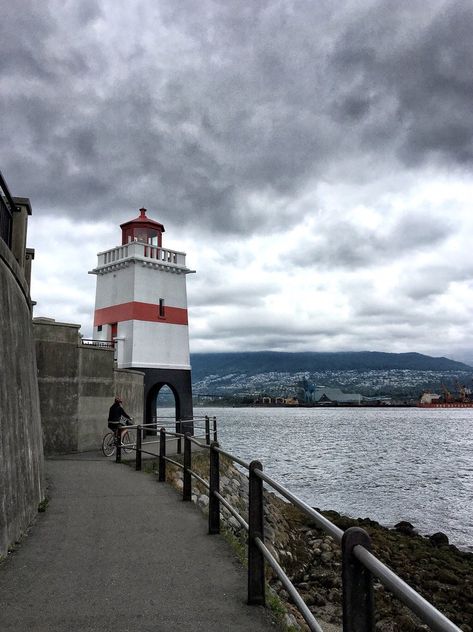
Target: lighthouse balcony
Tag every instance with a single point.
(146, 253)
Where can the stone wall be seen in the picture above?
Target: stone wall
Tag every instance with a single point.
(58, 369)
(21, 448)
(77, 384)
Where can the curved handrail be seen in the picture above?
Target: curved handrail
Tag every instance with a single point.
(413, 600)
(235, 459)
(289, 586)
(169, 460)
(198, 443)
(199, 478)
(233, 511)
(317, 517)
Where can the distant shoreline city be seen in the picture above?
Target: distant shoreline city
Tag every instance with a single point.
(358, 379)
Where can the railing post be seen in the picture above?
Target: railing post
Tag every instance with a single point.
(214, 503)
(357, 584)
(138, 449)
(215, 428)
(256, 586)
(187, 477)
(179, 441)
(207, 430)
(162, 454)
(118, 448)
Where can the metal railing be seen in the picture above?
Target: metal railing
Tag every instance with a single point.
(7, 206)
(176, 435)
(359, 564)
(101, 344)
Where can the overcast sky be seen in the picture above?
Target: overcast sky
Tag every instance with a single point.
(314, 160)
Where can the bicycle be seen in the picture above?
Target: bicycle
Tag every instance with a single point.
(109, 442)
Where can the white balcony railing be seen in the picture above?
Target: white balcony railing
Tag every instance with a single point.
(140, 250)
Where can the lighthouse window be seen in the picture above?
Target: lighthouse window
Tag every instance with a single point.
(99, 328)
(161, 308)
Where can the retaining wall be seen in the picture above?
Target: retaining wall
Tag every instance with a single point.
(77, 384)
(21, 449)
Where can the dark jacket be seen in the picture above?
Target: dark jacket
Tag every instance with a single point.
(116, 412)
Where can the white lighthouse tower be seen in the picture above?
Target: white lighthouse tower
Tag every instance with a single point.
(141, 304)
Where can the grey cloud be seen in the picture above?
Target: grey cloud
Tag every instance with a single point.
(23, 35)
(254, 97)
(258, 342)
(364, 332)
(369, 308)
(223, 293)
(38, 49)
(430, 281)
(400, 317)
(87, 11)
(375, 324)
(418, 231)
(258, 323)
(423, 289)
(346, 244)
(412, 62)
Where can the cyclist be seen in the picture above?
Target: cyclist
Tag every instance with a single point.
(116, 416)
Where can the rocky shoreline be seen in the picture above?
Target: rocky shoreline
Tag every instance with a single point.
(440, 572)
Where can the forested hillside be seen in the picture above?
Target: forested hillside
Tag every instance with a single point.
(252, 363)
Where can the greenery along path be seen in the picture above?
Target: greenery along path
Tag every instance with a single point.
(115, 550)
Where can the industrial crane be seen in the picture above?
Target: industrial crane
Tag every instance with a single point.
(463, 392)
(446, 394)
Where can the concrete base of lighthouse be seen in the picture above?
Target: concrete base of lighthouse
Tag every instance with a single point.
(179, 381)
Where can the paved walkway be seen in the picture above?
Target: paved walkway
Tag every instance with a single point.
(116, 550)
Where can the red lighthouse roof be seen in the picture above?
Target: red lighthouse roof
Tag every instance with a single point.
(142, 229)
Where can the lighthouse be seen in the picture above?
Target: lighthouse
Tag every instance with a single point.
(141, 304)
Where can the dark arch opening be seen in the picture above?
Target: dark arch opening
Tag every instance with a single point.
(152, 401)
(165, 402)
(179, 383)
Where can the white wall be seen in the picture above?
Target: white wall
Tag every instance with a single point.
(141, 343)
(154, 345)
(142, 284)
(151, 285)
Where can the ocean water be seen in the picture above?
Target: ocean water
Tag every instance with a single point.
(386, 464)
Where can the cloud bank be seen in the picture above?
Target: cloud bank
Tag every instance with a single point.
(313, 158)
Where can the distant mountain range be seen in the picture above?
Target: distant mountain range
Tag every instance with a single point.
(252, 363)
(247, 374)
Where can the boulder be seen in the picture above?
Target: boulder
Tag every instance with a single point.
(438, 539)
(405, 527)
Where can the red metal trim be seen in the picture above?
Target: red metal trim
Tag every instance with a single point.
(139, 311)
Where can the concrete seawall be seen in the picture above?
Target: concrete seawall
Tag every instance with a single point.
(77, 384)
(21, 447)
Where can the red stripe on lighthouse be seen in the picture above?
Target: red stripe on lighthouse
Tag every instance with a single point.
(140, 311)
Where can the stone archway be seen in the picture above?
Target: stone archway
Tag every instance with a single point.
(152, 398)
(180, 384)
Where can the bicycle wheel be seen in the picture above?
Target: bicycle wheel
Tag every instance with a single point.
(108, 444)
(127, 442)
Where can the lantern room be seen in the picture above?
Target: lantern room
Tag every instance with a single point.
(142, 229)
